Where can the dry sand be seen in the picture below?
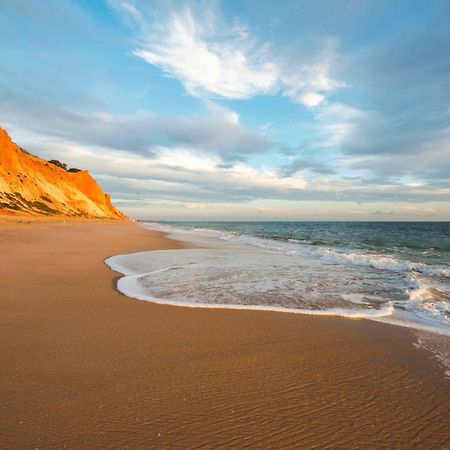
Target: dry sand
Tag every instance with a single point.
(85, 367)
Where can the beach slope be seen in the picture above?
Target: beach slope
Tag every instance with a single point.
(85, 367)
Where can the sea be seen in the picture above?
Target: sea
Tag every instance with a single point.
(392, 272)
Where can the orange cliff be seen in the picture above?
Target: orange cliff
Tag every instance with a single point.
(32, 186)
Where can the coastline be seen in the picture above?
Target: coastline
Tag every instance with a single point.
(84, 366)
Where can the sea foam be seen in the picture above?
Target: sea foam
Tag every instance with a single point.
(243, 278)
(232, 270)
(132, 285)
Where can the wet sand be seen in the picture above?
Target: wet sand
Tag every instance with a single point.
(85, 367)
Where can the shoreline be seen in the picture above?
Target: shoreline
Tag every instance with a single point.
(386, 314)
(84, 366)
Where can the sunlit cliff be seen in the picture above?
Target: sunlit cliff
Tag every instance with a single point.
(33, 186)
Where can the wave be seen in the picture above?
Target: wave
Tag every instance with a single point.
(415, 290)
(377, 261)
(428, 301)
(345, 256)
(129, 286)
(342, 255)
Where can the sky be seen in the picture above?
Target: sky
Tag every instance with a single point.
(238, 110)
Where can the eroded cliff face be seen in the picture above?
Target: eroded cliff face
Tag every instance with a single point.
(32, 186)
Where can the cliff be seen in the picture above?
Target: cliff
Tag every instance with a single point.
(32, 186)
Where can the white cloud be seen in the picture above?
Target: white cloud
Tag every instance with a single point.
(311, 98)
(190, 180)
(196, 167)
(185, 159)
(306, 78)
(246, 175)
(197, 205)
(337, 122)
(216, 129)
(213, 58)
(173, 170)
(206, 59)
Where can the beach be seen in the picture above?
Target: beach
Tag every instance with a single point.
(83, 366)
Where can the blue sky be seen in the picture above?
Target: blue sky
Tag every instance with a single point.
(238, 109)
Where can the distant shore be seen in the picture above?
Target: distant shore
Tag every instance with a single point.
(83, 366)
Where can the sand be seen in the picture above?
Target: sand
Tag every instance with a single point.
(85, 367)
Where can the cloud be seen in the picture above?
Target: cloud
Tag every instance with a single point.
(334, 127)
(423, 161)
(306, 163)
(337, 123)
(186, 175)
(225, 62)
(215, 58)
(217, 130)
(404, 73)
(172, 173)
(305, 71)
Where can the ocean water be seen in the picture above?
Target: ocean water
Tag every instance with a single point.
(393, 272)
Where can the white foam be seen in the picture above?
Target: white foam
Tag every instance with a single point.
(244, 272)
(129, 286)
(428, 301)
(408, 319)
(343, 256)
(438, 345)
(241, 272)
(377, 261)
(348, 257)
